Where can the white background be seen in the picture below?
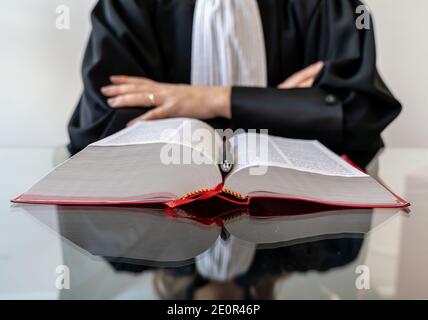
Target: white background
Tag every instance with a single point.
(40, 68)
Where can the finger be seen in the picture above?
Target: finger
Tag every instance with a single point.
(307, 83)
(134, 121)
(154, 114)
(287, 84)
(301, 76)
(116, 90)
(128, 79)
(312, 70)
(317, 68)
(294, 80)
(161, 112)
(130, 100)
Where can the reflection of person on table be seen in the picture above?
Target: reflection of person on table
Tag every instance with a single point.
(254, 278)
(301, 69)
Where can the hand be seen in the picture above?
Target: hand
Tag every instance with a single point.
(168, 100)
(304, 78)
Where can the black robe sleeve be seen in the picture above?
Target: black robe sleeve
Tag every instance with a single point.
(122, 42)
(349, 105)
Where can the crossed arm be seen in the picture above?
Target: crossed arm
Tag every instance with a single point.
(178, 100)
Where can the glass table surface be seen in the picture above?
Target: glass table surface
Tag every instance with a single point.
(273, 250)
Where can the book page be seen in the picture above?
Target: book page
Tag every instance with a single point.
(253, 149)
(193, 133)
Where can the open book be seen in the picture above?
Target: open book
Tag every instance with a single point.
(177, 161)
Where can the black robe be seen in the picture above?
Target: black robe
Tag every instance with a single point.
(347, 108)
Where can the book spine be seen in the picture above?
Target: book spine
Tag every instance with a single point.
(227, 162)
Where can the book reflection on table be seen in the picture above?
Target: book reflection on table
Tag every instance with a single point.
(156, 236)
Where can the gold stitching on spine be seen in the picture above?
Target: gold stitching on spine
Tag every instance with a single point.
(235, 194)
(227, 191)
(194, 193)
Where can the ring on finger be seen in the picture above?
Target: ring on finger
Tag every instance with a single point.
(152, 99)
